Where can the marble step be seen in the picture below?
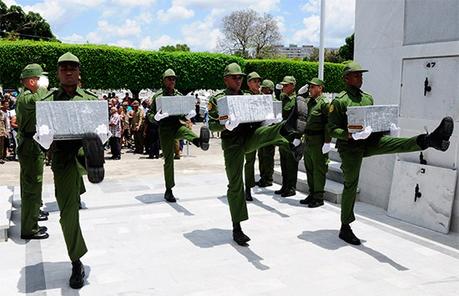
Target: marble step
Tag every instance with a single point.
(334, 171)
(333, 189)
(6, 203)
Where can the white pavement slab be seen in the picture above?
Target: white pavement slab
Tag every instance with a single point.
(140, 245)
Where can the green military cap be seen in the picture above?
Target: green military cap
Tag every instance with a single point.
(169, 73)
(68, 57)
(353, 67)
(233, 69)
(316, 81)
(253, 75)
(32, 70)
(268, 84)
(288, 80)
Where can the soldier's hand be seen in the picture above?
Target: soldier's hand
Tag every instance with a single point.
(394, 130)
(363, 134)
(326, 148)
(159, 115)
(231, 123)
(190, 114)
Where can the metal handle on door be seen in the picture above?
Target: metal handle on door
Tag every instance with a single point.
(417, 193)
(427, 87)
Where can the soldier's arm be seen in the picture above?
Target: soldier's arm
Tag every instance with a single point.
(325, 109)
(214, 123)
(336, 121)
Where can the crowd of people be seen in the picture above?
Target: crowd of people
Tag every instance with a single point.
(8, 126)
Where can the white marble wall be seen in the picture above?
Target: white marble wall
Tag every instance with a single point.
(379, 29)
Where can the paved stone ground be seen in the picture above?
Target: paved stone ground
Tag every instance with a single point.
(140, 245)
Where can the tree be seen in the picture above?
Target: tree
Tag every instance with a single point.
(177, 47)
(248, 34)
(331, 55)
(346, 52)
(15, 23)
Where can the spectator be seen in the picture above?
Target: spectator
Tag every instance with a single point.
(4, 133)
(125, 132)
(115, 129)
(151, 134)
(137, 127)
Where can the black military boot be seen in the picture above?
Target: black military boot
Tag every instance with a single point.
(238, 236)
(439, 138)
(262, 183)
(94, 155)
(77, 278)
(204, 135)
(42, 217)
(38, 235)
(288, 192)
(307, 200)
(315, 203)
(347, 235)
(44, 213)
(169, 196)
(248, 195)
(280, 191)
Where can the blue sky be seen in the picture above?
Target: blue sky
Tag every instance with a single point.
(150, 24)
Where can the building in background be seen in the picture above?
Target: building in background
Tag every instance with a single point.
(294, 51)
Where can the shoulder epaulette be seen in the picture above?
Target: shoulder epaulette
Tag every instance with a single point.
(90, 93)
(341, 94)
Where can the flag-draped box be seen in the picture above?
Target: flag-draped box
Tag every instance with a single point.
(176, 105)
(246, 108)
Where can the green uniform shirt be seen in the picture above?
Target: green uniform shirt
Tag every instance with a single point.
(317, 117)
(337, 118)
(25, 110)
(288, 102)
(214, 122)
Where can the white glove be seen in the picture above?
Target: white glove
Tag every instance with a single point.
(303, 90)
(231, 123)
(270, 119)
(159, 115)
(278, 118)
(279, 86)
(394, 130)
(44, 136)
(190, 115)
(43, 82)
(296, 142)
(103, 133)
(326, 148)
(363, 134)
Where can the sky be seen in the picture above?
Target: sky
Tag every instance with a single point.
(150, 24)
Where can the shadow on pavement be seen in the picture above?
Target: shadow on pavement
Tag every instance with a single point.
(259, 203)
(328, 239)
(57, 277)
(159, 197)
(217, 237)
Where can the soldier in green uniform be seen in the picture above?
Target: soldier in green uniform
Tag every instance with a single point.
(354, 147)
(253, 82)
(173, 128)
(266, 154)
(317, 142)
(239, 139)
(31, 157)
(289, 165)
(71, 159)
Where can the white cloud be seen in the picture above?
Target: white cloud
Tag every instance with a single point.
(260, 5)
(128, 28)
(175, 12)
(51, 10)
(10, 2)
(204, 34)
(155, 43)
(134, 2)
(123, 43)
(145, 17)
(74, 38)
(339, 23)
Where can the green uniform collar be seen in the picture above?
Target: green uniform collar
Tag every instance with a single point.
(354, 92)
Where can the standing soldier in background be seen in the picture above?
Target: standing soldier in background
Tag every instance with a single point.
(137, 127)
(239, 139)
(289, 165)
(31, 156)
(173, 128)
(253, 82)
(70, 160)
(266, 154)
(317, 144)
(354, 147)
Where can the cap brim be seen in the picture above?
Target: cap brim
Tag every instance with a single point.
(44, 73)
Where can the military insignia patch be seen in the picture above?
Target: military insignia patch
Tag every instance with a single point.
(331, 108)
(209, 106)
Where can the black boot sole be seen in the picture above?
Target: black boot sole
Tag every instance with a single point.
(94, 155)
(204, 136)
(447, 126)
(79, 284)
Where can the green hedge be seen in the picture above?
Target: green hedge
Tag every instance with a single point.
(302, 71)
(109, 67)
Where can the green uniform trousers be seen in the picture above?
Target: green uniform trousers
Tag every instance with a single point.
(289, 167)
(249, 169)
(266, 163)
(167, 137)
(351, 157)
(235, 146)
(68, 185)
(31, 160)
(316, 164)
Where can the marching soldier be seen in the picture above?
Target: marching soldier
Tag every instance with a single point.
(317, 144)
(70, 160)
(253, 82)
(31, 157)
(289, 165)
(239, 139)
(173, 128)
(354, 147)
(266, 154)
